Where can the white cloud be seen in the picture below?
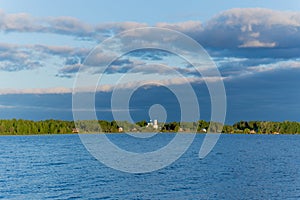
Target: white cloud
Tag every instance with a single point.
(252, 27)
(282, 65)
(176, 81)
(116, 27)
(256, 43)
(24, 22)
(63, 51)
(21, 22)
(6, 107)
(191, 28)
(172, 81)
(56, 90)
(247, 17)
(70, 26)
(239, 27)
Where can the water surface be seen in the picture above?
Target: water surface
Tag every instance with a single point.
(239, 167)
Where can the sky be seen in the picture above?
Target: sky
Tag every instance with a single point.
(254, 44)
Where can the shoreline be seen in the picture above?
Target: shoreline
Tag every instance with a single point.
(121, 133)
(50, 127)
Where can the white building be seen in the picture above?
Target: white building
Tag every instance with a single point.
(149, 123)
(155, 124)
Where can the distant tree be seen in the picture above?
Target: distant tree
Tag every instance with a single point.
(247, 130)
(171, 127)
(142, 123)
(202, 124)
(22, 127)
(227, 129)
(114, 127)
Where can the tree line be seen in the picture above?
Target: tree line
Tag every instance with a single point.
(26, 127)
(260, 127)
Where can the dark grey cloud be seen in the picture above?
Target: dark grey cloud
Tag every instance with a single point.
(27, 57)
(13, 66)
(150, 54)
(61, 51)
(272, 95)
(72, 61)
(121, 62)
(13, 58)
(69, 70)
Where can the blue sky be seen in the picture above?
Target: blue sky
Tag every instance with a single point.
(254, 43)
(141, 11)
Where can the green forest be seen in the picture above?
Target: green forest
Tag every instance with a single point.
(29, 127)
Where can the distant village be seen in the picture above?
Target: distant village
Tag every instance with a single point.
(202, 126)
(29, 127)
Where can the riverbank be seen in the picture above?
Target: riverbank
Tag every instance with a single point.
(115, 133)
(46, 127)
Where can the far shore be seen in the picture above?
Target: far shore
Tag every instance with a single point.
(120, 133)
(50, 127)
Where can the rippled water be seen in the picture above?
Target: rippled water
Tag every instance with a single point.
(239, 167)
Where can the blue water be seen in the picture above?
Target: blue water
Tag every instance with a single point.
(239, 167)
